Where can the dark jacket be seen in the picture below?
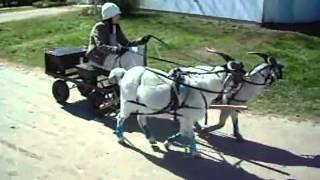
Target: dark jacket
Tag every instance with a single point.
(99, 43)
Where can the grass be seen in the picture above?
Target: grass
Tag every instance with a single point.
(297, 95)
(16, 9)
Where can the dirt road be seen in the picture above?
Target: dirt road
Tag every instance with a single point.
(19, 15)
(40, 139)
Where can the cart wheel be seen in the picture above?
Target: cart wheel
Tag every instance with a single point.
(84, 90)
(60, 91)
(96, 99)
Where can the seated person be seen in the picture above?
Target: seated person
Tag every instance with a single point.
(108, 46)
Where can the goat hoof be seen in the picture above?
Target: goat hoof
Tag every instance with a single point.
(121, 141)
(198, 129)
(196, 155)
(167, 145)
(156, 148)
(239, 137)
(152, 141)
(204, 132)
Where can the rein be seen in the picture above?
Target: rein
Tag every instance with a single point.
(167, 60)
(173, 105)
(170, 47)
(187, 85)
(266, 78)
(172, 62)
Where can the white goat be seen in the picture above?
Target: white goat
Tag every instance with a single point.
(144, 91)
(261, 76)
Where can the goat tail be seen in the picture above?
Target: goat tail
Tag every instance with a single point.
(116, 75)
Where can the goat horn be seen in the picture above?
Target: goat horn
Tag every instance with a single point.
(262, 55)
(226, 57)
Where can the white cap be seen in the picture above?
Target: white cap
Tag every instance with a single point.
(109, 10)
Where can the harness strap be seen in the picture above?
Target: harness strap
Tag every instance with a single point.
(137, 103)
(164, 110)
(232, 98)
(265, 78)
(172, 105)
(181, 65)
(206, 107)
(171, 108)
(187, 85)
(256, 84)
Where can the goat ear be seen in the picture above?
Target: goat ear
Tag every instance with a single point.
(225, 56)
(280, 66)
(262, 55)
(272, 61)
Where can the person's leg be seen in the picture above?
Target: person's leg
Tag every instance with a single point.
(109, 63)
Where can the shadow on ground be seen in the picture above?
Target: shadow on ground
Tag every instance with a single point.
(160, 128)
(177, 163)
(189, 168)
(255, 151)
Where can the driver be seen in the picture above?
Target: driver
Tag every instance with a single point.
(108, 46)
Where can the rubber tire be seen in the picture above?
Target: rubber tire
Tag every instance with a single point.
(60, 91)
(96, 99)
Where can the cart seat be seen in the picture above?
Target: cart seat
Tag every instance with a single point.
(88, 71)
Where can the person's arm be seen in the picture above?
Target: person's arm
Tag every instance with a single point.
(122, 39)
(102, 40)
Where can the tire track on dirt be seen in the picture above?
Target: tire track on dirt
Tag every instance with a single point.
(21, 150)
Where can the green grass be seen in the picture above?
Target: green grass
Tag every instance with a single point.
(297, 95)
(16, 9)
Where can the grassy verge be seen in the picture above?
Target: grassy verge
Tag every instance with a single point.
(297, 95)
(16, 9)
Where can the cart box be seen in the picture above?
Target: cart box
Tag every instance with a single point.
(59, 60)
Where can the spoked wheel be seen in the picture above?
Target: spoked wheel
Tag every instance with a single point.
(60, 91)
(104, 103)
(85, 90)
(96, 99)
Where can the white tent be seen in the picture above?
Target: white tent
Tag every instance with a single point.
(260, 11)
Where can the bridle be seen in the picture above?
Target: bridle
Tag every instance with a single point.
(268, 79)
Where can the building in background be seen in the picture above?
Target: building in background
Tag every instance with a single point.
(82, 1)
(259, 11)
(8, 3)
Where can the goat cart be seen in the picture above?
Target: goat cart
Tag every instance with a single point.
(71, 69)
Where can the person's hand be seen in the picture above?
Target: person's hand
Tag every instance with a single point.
(145, 39)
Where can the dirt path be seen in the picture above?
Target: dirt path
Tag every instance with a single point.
(19, 15)
(40, 139)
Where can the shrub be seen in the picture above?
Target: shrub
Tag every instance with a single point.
(91, 11)
(49, 3)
